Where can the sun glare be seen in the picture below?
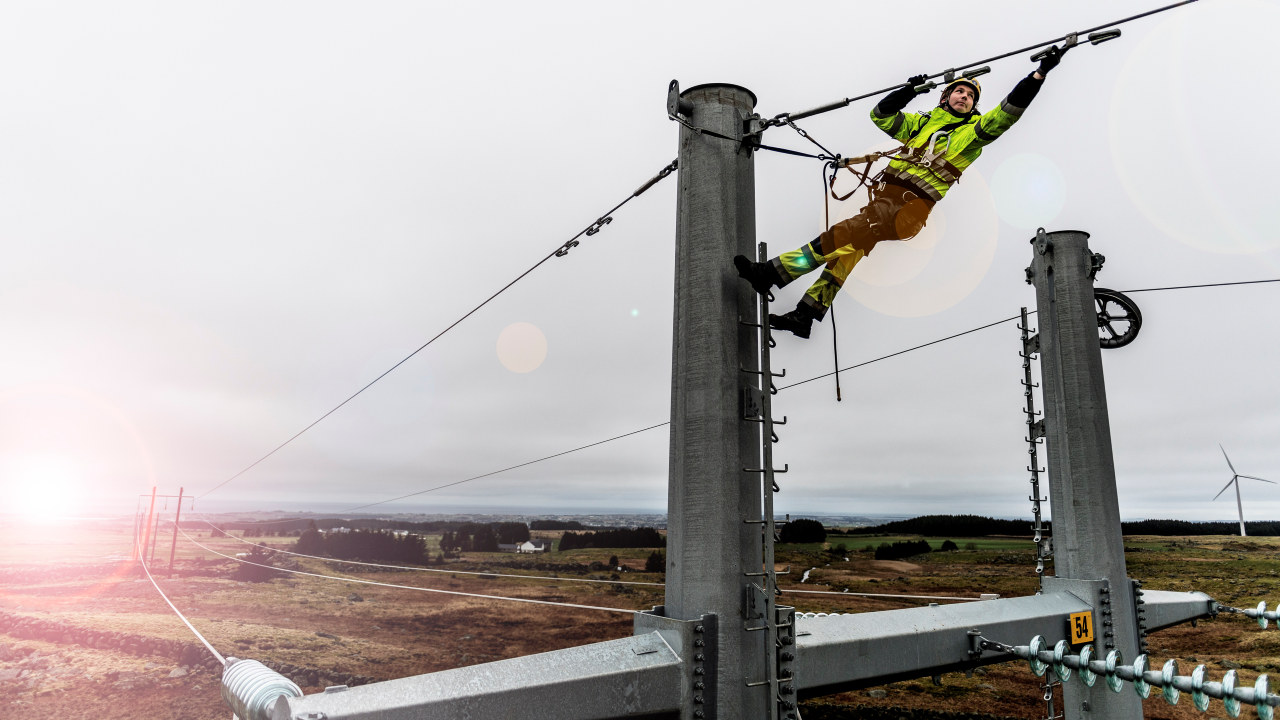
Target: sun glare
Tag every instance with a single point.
(45, 487)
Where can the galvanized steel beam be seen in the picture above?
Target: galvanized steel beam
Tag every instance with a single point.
(847, 652)
(1165, 608)
(635, 677)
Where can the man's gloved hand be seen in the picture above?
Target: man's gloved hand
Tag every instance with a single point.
(1051, 58)
(916, 81)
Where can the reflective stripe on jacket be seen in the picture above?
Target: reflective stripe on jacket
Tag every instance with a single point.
(956, 149)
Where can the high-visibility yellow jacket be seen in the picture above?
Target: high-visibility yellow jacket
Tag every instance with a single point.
(957, 141)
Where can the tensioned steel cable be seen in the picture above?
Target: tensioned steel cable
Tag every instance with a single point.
(561, 251)
(1205, 285)
(513, 467)
(819, 377)
(410, 587)
(782, 118)
(438, 570)
(183, 618)
(1015, 317)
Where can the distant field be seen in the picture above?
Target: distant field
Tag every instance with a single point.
(80, 576)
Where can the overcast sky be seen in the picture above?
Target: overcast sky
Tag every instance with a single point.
(219, 220)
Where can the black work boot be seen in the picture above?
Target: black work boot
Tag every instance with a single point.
(760, 275)
(797, 322)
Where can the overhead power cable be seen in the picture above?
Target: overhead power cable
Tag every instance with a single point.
(902, 352)
(561, 251)
(801, 382)
(408, 587)
(513, 467)
(142, 558)
(440, 570)
(783, 118)
(1206, 285)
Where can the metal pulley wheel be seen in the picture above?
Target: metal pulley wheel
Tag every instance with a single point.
(1119, 318)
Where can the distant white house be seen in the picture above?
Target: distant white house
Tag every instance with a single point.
(533, 546)
(508, 547)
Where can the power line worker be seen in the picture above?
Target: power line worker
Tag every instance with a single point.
(939, 145)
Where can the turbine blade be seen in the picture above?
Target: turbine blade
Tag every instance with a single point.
(1224, 454)
(1258, 478)
(1224, 488)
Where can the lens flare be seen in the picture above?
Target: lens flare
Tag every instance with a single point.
(522, 347)
(1029, 191)
(938, 267)
(1172, 110)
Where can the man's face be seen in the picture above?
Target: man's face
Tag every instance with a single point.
(961, 99)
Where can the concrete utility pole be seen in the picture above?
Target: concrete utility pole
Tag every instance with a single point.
(710, 547)
(1088, 544)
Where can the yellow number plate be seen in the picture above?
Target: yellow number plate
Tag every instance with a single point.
(1081, 625)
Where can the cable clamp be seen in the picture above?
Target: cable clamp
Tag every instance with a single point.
(599, 224)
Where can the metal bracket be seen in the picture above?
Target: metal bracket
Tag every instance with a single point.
(1037, 429)
(786, 621)
(1031, 346)
(752, 402)
(675, 104)
(1042, 242)
(752, 131)
(753, 610)
(1139, 614)
(695, 643)
(1095, 264)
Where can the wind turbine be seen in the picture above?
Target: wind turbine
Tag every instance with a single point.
(1235, 478)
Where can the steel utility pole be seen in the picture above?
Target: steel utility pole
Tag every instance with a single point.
(1088, 545)
(709, 546)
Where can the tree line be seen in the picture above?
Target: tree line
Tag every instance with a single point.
(980, 526)
(365, 545)
(477, 537)
(642, 537)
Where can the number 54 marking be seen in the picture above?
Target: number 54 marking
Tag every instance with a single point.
(1081, 625)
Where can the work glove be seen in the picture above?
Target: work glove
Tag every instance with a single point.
(1051, 58)
(916, 81)
(898, 99)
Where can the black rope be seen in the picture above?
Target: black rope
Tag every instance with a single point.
(558, 252)
(782, 118)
